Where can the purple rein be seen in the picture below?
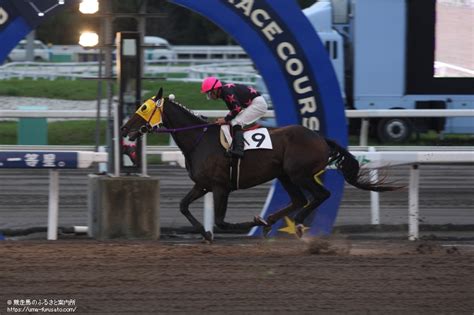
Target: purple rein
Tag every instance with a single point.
(196, 141)
(172, 130)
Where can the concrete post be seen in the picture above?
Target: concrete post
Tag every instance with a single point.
(123, 207)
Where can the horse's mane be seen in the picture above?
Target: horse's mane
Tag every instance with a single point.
(187, 111)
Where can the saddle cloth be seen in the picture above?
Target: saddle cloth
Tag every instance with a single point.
(253, 139)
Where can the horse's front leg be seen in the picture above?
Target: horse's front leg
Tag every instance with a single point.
(195, 193)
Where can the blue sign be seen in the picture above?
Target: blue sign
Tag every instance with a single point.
(38, 159)
(299, 76)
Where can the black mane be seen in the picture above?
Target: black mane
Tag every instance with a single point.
(186, 111)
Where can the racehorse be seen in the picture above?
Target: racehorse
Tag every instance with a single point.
(298, 155)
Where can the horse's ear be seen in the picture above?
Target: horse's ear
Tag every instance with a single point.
(159, 94)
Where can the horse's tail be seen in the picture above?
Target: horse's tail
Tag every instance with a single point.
(350, 168)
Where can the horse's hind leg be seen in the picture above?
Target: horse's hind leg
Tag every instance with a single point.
(319, 194)
(195, 193)
(221, 198)
(298, 200)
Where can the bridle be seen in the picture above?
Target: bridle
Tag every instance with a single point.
(148, 128)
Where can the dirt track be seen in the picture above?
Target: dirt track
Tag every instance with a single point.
(241, 276)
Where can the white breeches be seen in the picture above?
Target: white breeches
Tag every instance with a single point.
(252, 113)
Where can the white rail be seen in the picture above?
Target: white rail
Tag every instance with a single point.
(48, 70)
(242, 71)
(378, 113)
(378, 159)
(39, 159)
(225, 52)
(203, 52)
(70, 114)
(77, 70)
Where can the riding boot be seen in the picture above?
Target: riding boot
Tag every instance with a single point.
(237, 142)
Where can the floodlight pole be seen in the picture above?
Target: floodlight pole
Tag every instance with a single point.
(99, 101)
(108, 44)
(141, 26)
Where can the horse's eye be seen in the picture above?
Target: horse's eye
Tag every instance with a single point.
(143, 108)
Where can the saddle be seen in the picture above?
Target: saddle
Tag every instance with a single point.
(259, 137)
(255, 137)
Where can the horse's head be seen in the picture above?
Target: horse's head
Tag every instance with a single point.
(146, 117)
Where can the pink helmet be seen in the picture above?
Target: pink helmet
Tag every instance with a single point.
(209, 84)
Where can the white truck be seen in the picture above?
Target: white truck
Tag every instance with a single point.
(158, 48)
(40, 52)
(383, 52)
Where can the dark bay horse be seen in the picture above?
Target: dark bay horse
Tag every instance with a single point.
(298, 154)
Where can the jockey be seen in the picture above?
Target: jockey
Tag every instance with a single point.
(245, 105)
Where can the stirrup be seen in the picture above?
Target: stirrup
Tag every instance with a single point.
(233, 153)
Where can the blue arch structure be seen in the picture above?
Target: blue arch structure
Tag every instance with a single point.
(299, 76)
(18, 18)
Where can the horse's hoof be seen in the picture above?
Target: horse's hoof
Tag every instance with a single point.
(208, 237)
(299, 230)
(205, 241)
(259, 221)
(266, 231)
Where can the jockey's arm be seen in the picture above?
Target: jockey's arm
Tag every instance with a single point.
(230, 98)
(231, 115)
